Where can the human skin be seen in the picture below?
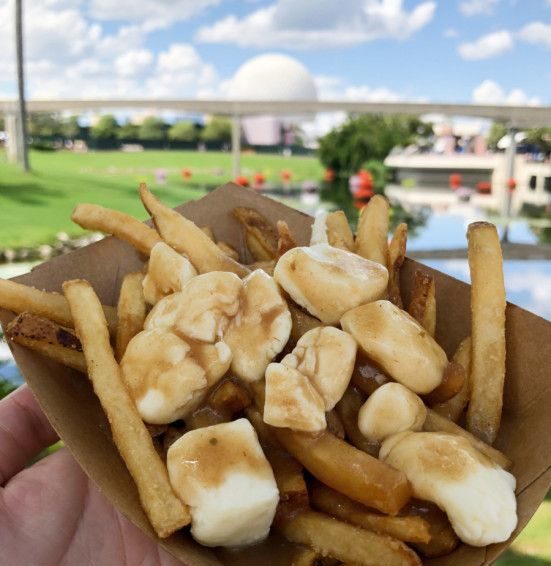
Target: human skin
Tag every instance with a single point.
(51, 513)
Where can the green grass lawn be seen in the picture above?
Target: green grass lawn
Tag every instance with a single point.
(36, 206)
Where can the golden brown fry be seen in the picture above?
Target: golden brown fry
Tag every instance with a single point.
(230, 251)
(285, 240)
(47, 338)
(293, 495)
(165, 511)
(266, 266)
(454, 407)
(302, 321)
(131, 311)
(437, 423)
(304, 557)
(422, 306)
(488, 331)
(334, 423)
(229, 398)
(396, 256)
(348, 408)
(367, 376)
(372, 234)
(452, 381)
(260, 235)
(339, 233)
(20, 298)
(442, 537)
(187, 238)
(408, 529)
(348, 470)
(121, 225)
(208, 231)
(347, 543)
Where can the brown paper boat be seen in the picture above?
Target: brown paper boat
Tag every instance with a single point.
(74, 411)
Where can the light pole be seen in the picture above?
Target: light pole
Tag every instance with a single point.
(21, 111)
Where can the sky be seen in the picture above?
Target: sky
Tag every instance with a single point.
(482, 51)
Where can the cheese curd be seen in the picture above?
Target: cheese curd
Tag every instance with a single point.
(390, 409)
(325, 355)
(221, 472)
(167, 377)
(167, 273)
(291, 401)
(396, 342)
(477, 495)
(328, 281)
(261, 327)
(202, 310)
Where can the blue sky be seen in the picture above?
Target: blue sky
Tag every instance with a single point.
(488, 51)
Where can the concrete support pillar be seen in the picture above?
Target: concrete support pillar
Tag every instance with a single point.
(510, 168)
(12, 142)
(236, 145)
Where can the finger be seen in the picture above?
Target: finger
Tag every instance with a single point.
(24, 432)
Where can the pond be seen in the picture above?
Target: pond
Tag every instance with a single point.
(528, 282)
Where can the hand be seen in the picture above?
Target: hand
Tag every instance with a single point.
(51, 514)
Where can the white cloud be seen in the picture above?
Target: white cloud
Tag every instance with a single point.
(450, 33)
(312, 24)
(153, 13)
(537, 32)
(133, 62)
(477, 7)
(489, 92)
(490, 45)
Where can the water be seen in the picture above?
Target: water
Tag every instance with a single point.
(527, 282)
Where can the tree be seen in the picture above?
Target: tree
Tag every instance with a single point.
(44, 125)
(540, 137)
(106, 128)
(217, 129)
(183, 131)
(152, 128)
(497, 131)
(128, 131)
(71, 128)
(368, 137)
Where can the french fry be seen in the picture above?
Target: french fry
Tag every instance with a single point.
(488, 331)
(442, 537)
(350, 544)
(422, 306)
(302, 321)
(165, 511)
(339, 233)
(260, 235)
(47, 338)
(437, 423)
(334, 424)
(121, 225)
(452, 381)
(285, 240)
(366, 376)
(187, 238)
(293, 494)
(372, 234)
(131, 311)
(396, 256)
(454, 407)
(20, 298)
(347, 409)
(304, 557)
(230, 251)
(407, 529)
(208, 231)
(229, 398)
(266, 266)
(347, 469)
